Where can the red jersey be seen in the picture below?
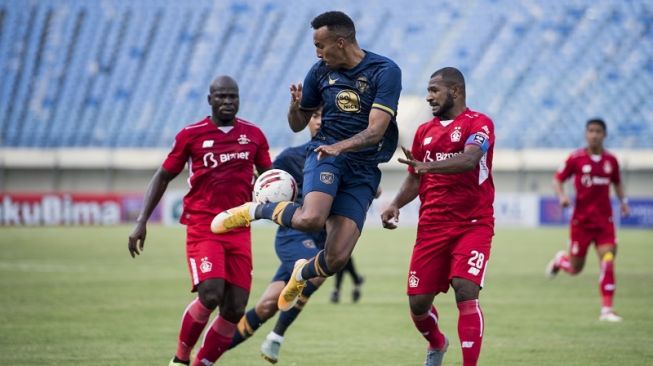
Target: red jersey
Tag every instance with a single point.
(462, 197)
(593, 175)
(220, 164)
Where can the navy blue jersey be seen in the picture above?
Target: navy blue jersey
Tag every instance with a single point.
(348, 97)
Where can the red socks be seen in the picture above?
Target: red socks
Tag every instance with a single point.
(216, 341)
(470, 330)
(427, 324)
(193, 322)
(606, 280)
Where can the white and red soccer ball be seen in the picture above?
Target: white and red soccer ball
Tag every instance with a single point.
(275, 185)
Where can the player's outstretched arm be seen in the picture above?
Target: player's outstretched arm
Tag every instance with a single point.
(297, 118)
(560, 193)
(623, 201)
(461, 163)
(378, 123)
(408, 191)
(153, 194)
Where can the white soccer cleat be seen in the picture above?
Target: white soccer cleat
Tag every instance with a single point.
(552, 269)
(610, 316)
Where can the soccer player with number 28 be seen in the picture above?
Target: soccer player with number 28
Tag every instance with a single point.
(449, 167)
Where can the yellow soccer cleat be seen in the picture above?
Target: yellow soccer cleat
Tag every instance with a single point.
(231, 219)
(290, 293)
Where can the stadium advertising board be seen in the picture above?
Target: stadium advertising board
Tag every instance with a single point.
(70, 209)
(641, 213)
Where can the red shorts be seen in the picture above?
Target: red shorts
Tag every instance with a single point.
(582, 237)
(227, 256)
(442, 253)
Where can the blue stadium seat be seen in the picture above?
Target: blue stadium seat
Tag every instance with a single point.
(131, 74)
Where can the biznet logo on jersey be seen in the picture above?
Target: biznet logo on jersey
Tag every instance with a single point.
(210, 159)
(444, 156)
(51, 209)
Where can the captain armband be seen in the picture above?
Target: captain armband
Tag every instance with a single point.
(479, 139)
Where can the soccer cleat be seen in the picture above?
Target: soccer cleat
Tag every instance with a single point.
(356, 293)
(232, 218)
(175, 362)
(290, 293)
(610, 316)
(552, 268)
(335, 296)
(434, 357)
(270, 350)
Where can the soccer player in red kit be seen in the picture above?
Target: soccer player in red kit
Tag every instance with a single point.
(449, 167)
(221, 151)
(594, 169)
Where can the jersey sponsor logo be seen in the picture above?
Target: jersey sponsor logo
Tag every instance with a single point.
(209, 160)
(332, 81)
(466, 344)
(456, 134)
(587, 180)
(309, 243)
(428, 140)
(206, 265)
(439, 156)
(327, 177)
(243, 155)
(362, 84)
(413, 280)
(607, 167)
(348, 101)
(586, 168)
(243, 140)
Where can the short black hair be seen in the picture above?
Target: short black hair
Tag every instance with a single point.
(336, 22)
(597, 121)
(450, 75)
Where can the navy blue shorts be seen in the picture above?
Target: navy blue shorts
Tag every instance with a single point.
(352, 185)
(292, 245)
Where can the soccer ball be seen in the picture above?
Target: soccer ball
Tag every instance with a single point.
(275, 185)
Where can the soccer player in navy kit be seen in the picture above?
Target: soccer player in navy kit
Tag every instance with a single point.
(290, 245)
(359, 91)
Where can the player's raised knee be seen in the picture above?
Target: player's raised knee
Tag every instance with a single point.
(310, 222)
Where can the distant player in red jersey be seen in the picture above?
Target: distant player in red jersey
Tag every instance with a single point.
(594, 169)
(449, 167)
(221, 151)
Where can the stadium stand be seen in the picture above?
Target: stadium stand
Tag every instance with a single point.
(130, 73)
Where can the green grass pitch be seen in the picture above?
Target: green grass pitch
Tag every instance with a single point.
(74, 296)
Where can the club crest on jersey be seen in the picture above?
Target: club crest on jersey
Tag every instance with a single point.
(456, 134)
(206, 265)
(413, 280)
(243, 140)
(586, 168)
(327, 177)
(607, 167)
(428, 140)
(207, 143)
(308, 243)
(348, 101)
(362, 84)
